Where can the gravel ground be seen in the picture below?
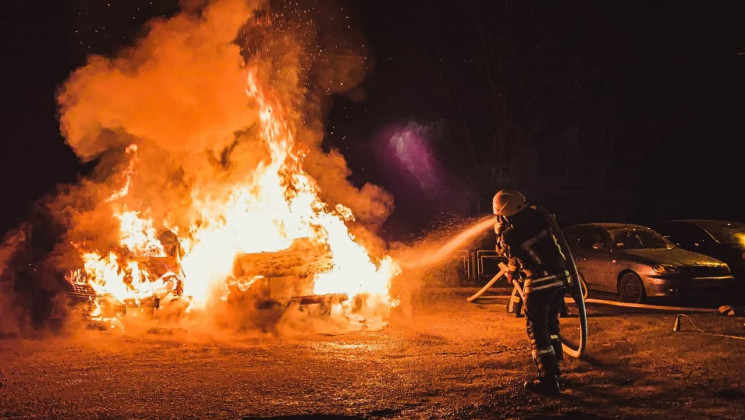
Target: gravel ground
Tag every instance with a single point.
(439, 358)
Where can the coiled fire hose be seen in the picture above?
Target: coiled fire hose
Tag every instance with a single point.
(574, 285)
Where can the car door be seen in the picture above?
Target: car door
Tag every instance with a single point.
(591, 253)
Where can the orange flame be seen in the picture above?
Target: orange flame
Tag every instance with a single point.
(276, 205)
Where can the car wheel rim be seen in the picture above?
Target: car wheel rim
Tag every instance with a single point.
(631, 290)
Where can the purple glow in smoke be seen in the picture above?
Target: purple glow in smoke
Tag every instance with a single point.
(408, 145)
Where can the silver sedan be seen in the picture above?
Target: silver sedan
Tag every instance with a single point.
(638, 263)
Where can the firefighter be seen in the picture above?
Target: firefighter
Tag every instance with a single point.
(537, 261)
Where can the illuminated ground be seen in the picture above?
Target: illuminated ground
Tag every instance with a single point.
(448, 359)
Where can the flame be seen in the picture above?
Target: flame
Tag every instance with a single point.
(132, 152)
(270, 208)
(279, 204)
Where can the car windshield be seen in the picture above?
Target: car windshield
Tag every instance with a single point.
(638, 239)
(725, 232)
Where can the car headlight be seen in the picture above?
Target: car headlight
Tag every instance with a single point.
(666, 269)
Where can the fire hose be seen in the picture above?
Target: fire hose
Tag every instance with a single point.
(502, 271)
(676, 326)
(574, 285)
(648, 306)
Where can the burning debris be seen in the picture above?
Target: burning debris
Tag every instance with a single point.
(211, 185)
(279, 279)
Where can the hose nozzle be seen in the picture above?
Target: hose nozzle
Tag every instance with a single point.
(676, 326)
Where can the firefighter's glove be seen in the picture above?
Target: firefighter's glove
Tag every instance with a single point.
(500, 249)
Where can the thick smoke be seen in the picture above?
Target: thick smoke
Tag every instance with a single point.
(178, 94)
(29, 281)
(319, 53)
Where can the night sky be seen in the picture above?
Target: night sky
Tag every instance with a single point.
(602, 111)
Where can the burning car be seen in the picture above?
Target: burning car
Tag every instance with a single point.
(639, 263)
(262, 281)
(146, 282)
(272, 280)
(265, 216)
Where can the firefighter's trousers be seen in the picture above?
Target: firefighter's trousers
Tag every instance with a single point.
(542, 307)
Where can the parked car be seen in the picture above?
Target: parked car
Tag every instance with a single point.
(639, 263)
(720, 239)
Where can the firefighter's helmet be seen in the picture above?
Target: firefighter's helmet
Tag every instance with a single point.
(509, 202)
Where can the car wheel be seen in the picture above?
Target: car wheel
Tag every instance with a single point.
(631, 288)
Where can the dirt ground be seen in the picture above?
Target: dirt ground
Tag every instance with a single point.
(441, 358)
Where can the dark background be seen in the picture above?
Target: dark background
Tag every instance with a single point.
(602, 111)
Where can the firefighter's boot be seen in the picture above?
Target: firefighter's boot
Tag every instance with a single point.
(559, 352)
(515, 305)
(548, 368)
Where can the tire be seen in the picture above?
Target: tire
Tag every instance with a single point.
(631, 288)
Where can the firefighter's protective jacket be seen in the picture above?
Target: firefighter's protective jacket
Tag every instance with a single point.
(530, 244)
